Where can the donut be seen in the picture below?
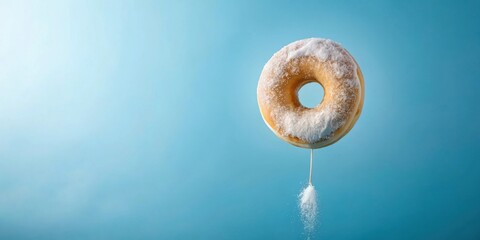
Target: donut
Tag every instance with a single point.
(311, 60)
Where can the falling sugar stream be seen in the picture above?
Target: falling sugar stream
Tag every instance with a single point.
(308, 204)
(311, 166)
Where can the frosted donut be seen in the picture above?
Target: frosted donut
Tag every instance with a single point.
(301, 62)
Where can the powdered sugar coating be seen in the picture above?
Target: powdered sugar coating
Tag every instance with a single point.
(311, 125)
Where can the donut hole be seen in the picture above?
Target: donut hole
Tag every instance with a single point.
(311, 94)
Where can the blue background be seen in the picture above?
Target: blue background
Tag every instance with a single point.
(139, 120)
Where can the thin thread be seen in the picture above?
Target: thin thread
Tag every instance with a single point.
(311, 165)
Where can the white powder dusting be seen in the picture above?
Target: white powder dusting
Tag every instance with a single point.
(308, 208)
(310, 125)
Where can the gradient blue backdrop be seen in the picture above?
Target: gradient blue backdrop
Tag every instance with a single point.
(139, 120)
